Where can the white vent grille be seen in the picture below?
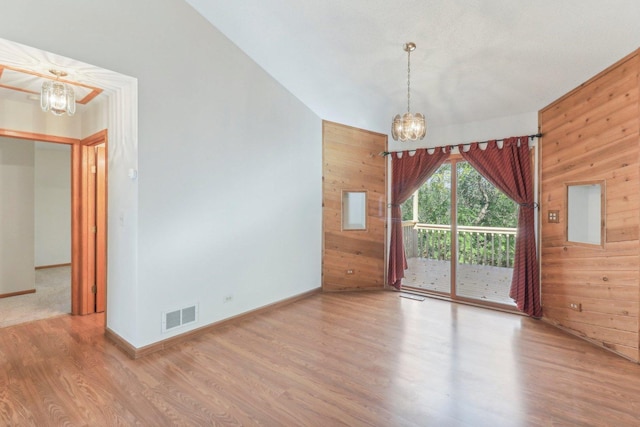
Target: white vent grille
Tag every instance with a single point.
(189, 314)
(176, 318)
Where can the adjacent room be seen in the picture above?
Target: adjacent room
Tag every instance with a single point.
(319, 213)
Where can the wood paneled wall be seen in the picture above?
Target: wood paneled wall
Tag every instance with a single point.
(592, 133)
(353, 259)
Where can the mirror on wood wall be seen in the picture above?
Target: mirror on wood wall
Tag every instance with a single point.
(585, 213)
(354, 210)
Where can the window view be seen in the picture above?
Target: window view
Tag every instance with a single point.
(485, 227)
(427, 237)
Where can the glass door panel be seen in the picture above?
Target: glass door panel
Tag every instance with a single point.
(427, 234)
(486, 231)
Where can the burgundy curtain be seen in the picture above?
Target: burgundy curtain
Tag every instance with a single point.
(509, 169)
(409, 172)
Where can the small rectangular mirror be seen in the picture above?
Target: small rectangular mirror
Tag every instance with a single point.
(585, 212)
(354, 210)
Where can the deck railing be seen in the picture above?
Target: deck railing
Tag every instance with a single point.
(494, 246)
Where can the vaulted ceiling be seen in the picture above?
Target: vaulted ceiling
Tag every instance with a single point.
(475, 59)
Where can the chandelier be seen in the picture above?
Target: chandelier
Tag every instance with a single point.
(408, 126)
(57, 96)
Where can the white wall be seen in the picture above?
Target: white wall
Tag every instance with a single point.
(52, 205)
(95, 116)
(228, 199)
(16, 215)
(27, 115)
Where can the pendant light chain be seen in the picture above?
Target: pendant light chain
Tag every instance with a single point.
(408, 126)
(408, 80)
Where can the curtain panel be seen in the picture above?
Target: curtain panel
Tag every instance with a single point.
(509, 169)
(409, 172)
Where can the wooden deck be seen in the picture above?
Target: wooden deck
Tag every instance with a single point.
(479, 282)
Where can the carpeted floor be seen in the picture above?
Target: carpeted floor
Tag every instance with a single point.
(52, 298)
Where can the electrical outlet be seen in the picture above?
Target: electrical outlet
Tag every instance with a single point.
(349, 271)
(575, 306)
(228, 298)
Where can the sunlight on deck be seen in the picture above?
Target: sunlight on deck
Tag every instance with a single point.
(481, 282)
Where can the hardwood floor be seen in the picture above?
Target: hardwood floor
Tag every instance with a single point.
(332, 359)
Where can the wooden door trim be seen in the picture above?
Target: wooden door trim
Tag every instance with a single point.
(76, 233)
(83, 301)
(10, 133)
(101, 224)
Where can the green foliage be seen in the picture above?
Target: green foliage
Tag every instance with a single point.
(434, 197)
(407, 210)
(479, 204)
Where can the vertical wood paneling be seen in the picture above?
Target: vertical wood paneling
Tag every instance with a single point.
(593, 133)
(351, 162)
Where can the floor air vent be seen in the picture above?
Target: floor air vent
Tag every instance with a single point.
(176, 318)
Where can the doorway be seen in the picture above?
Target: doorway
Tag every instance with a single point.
(459, 233)
(88, 217)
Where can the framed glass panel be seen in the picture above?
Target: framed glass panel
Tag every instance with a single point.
(354, 210)
(585, 212)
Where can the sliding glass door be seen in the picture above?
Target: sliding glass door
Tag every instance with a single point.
(486, 232)
(427, 234)
(459, 212)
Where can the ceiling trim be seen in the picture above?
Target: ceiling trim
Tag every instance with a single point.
(93, 91)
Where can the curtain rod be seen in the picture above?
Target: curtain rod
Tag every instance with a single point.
(386, 153)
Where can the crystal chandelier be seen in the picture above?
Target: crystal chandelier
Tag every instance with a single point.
(408, 126)
(57, 97)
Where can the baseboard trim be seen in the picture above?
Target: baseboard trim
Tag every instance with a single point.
(346, 289)
(15, 294)
(138, 352)
(40, 267)
(120, 342)
(587, 339)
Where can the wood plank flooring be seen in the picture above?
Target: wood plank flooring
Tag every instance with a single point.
(356, 359)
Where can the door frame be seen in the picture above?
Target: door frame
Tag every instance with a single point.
(84, 296)
(82, 301)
